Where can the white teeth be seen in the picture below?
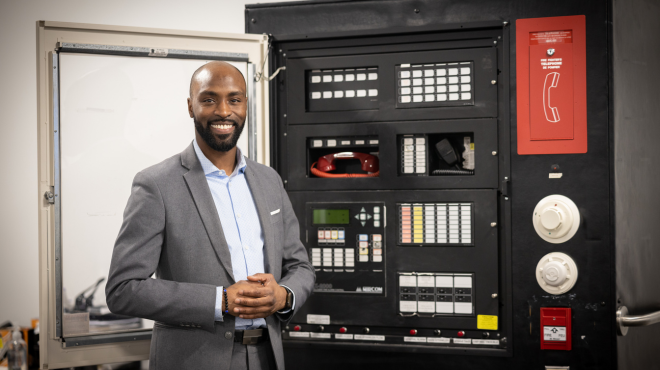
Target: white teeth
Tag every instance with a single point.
(222, 127)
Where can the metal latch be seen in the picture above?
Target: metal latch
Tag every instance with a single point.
(50, 195)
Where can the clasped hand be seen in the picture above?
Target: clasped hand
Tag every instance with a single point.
(257, 297)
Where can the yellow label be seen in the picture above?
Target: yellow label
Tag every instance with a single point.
(486, 322)
(471, 146)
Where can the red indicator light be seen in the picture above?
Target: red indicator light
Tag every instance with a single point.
(413, 331)
(296, 328)
(342, 330)
(461, 334)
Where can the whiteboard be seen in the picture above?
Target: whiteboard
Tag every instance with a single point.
(119, 115)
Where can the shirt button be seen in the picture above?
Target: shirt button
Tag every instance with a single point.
(238, 215)
(229, 334)
(246, 247)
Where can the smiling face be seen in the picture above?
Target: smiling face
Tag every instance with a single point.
(218, 105)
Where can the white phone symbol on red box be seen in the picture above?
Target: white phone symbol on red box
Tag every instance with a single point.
(551, 113)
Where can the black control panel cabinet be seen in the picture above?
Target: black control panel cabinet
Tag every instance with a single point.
(442, 274)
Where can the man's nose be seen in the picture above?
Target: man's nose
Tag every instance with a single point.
(223, 109)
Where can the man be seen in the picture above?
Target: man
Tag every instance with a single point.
(219, 232)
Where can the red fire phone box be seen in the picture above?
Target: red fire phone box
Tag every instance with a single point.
(552, 85)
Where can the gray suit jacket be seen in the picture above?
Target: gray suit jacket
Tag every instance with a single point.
(171, 227)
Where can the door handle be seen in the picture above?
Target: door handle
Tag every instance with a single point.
(625, 321)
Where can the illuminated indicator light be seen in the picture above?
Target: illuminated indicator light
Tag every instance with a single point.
(321, 234)
(413, 331)
(343, 330)
(296, 328)
(461, 334)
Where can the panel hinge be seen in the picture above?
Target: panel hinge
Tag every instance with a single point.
(505, 186)
(50, 195)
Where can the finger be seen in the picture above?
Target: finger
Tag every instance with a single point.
(252, 310)
(256, 292)
(249, 302)
(257, 316)
(260, 277)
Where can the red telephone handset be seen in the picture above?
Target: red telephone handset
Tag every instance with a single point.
(327, 163)
(551, 81)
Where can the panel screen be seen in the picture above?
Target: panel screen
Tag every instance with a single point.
(331, 217)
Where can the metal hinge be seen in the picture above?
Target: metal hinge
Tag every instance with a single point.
(50, 195)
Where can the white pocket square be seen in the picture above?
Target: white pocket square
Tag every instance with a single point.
(275, 212)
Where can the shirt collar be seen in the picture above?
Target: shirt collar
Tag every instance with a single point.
(210, 168)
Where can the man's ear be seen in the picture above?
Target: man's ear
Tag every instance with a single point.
(190, 111)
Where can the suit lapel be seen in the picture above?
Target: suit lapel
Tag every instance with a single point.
(259, 197)
(201, 194)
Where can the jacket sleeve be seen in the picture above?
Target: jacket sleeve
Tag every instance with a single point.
(130, 289)
(297, 272)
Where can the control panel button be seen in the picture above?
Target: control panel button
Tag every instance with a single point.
(334, 234)
(376, 209)
(376, 223)
(297, 328)
(343, 330)
(327, 234)
(321, 234)
(376, 237)
(461, 334)
(363, 237)
(340, 234)
(413, 331)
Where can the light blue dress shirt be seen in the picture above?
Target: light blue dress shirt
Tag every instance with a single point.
(240, 224)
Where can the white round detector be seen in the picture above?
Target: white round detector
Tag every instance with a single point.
(556, 218)
(556, 273)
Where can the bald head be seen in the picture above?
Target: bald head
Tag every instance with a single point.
(212, 70)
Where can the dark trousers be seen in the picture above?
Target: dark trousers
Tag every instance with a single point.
(252, 357)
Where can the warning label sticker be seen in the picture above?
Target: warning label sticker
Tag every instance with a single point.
(554, 333)
(551, 37)
(486, 322)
